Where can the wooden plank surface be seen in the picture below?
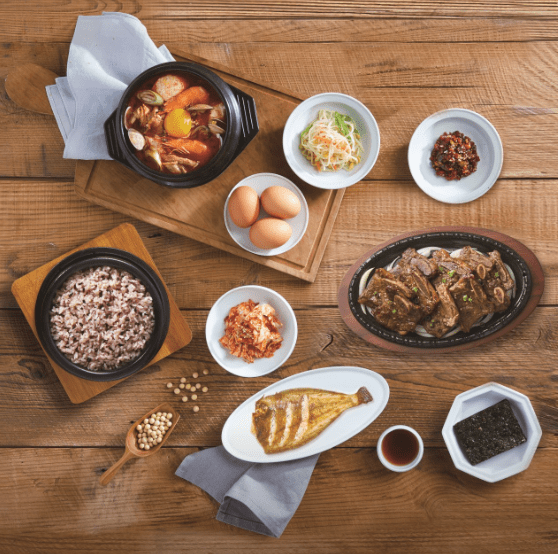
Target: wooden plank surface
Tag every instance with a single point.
(51, 21)
(421, 391)
(404, 60)
(196, 274)
(152, 510)
(391, 79)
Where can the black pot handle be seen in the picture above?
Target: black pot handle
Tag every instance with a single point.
(248, 119)
(114, 150)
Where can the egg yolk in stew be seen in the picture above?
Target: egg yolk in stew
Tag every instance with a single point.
(178, 123)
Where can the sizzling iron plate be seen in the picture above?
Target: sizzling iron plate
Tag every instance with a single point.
(525, 266)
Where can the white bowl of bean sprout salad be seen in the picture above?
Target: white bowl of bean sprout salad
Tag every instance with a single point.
(331, 141)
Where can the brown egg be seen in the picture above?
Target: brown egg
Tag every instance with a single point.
(280, 202)
(244, 206)
(269, 232)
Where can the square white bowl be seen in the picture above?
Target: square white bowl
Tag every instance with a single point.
(507, 463)
(307, 112)
(215, 329)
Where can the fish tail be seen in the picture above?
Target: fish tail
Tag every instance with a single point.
(363, 395)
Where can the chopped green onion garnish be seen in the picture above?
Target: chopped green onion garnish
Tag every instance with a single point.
(497, 274)
(415, 289)
(305, 132)
(340, 120)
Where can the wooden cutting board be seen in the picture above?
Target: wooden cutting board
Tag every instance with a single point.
(198, 213)
(124, 237)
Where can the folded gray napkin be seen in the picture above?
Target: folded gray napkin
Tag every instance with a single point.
(256, 497)
(106, 54)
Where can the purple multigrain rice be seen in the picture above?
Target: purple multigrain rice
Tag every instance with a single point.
(101, 318)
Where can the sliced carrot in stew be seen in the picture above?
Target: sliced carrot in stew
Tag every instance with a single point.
(187, 98)
(187, 145)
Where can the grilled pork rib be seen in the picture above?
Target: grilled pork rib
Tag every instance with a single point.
(439, 292)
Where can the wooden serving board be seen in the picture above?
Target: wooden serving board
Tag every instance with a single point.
(124, 237)
(198, 213)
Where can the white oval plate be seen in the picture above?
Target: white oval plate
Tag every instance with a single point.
(307, 112)
(259, 182)
(215, 329)
(489, 149)
(239, 441)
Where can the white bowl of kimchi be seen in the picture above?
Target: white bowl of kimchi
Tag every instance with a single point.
(251, 331)
(331, 141)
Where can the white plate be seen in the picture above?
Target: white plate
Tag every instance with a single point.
(259, 182)
(215, 329)
(489, 149)
(307, 112)
(507, 463)
(239, 441)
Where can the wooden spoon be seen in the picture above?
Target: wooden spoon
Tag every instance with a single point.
(26, 84)
(132, 448)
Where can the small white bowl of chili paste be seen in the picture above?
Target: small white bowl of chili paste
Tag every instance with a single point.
(455, 156)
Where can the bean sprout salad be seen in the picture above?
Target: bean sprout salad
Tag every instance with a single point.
(331, 142)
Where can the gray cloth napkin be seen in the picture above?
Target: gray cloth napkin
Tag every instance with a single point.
(107, 53)
(256, 497)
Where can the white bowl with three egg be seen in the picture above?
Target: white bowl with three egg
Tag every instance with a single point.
(259, 182)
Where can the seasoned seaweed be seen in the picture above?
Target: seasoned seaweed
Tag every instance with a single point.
(489, 432)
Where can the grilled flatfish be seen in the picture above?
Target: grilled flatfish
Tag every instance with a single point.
(291, 418)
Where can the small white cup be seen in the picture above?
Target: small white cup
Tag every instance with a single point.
(400, 468)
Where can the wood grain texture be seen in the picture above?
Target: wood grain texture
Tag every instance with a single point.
(445, 510)
(401, 84)
(52, 21)
(25, 85)
(394, 57)
(422, 387)
(50, 41)
(36, 231)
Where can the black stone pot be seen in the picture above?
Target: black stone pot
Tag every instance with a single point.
(241, 128)
(96, 257)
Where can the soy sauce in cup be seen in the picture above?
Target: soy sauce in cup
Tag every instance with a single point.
(400, 448)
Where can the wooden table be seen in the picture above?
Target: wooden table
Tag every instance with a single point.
(404, 60)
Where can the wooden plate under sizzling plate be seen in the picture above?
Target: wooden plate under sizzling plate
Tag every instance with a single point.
(124, 237)
(524, 264)
(198, 213)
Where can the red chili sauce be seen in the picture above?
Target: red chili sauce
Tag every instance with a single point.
(163, 149)
(454, 156)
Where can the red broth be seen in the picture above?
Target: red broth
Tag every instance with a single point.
(176, 154)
